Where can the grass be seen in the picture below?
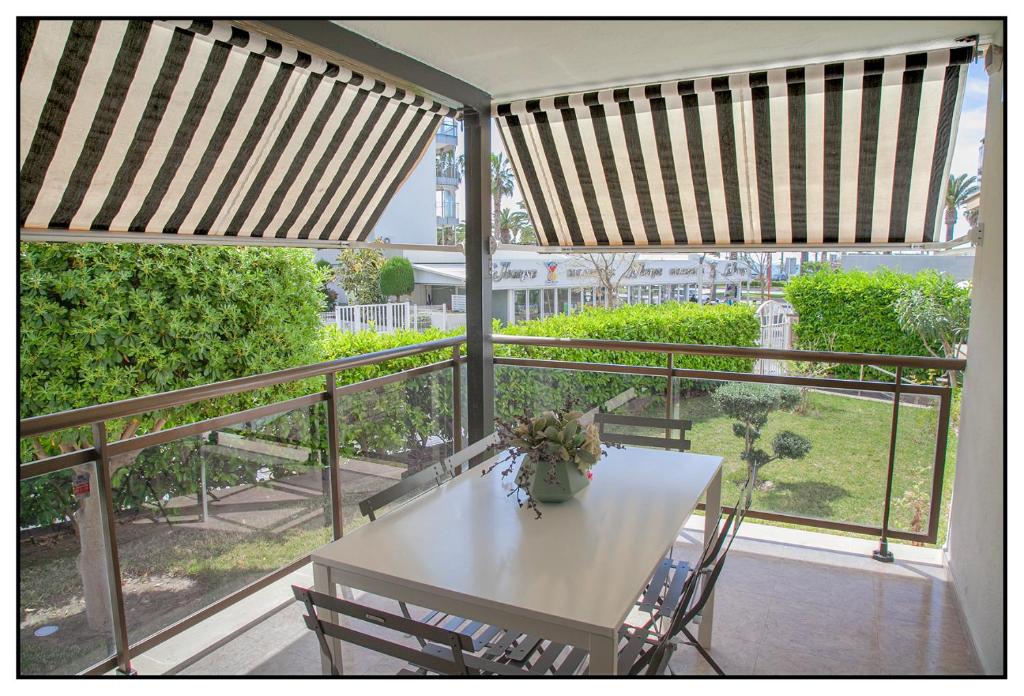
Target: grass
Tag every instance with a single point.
(843, 476)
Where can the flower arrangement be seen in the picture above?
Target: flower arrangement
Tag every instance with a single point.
(539, 443)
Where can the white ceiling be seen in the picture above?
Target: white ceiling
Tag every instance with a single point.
(530, 58)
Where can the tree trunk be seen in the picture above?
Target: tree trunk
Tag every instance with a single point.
(950, 222)
(92, 566)
(496, 197)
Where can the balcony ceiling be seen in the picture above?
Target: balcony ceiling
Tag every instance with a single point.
(514, 59)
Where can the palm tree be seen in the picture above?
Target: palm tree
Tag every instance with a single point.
(961, 189)
(502, 184)
(515, 227)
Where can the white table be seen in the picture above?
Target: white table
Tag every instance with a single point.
(572, 576)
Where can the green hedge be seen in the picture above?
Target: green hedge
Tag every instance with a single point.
(411, 421)
(854, 311)
(526, 390)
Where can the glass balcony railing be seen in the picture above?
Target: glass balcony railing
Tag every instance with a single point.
(207, 512)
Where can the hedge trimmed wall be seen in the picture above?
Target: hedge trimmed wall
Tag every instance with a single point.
(526, 390)
(411, 421)
(854, 311)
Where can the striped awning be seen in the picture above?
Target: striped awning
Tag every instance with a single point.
(203, 128)
(853, 152)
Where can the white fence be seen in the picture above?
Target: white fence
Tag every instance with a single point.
(393, 316)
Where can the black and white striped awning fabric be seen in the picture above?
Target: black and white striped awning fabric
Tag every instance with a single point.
(853, 152)
(204, 128)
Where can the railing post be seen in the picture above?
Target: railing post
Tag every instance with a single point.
(457, 397)
(669, 406)
(334, 456)
(113, 563)
(883, 553)
(337, 316)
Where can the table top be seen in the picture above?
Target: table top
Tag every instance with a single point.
(583, 563)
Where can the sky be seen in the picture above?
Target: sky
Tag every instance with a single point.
(965, 153)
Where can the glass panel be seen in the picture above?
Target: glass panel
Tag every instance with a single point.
(841, 477)
(520, 306)
(392, 431)
(64, 619)
(577, 299)
(529, 391)
(914, 466)
(201, 517)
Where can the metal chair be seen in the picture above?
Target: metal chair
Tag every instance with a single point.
(417, 484)
(441, 651)
(680, 443)
(679, 602)
(676, 596)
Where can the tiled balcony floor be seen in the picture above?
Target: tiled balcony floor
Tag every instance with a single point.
(839, 614)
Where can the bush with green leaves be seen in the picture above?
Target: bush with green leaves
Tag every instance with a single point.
(358, 274)
(528, 390)
(857, 312)
(106, 322)
(751, 404)
(939, 312)
(396, 277)
(397, 421)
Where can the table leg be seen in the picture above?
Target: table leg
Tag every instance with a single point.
(322, 583)
(604, 654)
(712, 511)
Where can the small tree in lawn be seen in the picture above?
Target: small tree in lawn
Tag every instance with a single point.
(751, 404)
(359, 274)
(939, 312)
(396, 277)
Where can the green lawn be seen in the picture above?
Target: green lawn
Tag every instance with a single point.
(843, 476)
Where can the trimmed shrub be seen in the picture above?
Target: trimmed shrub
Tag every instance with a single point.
(854, 311)
(526, 390)
(106, 322)
(396, 277)
(672, 322)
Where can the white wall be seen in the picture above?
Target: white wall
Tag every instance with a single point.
(974, 552)
(410, 217)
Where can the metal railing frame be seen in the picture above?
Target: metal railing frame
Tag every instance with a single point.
(101, 450)
(896, 388)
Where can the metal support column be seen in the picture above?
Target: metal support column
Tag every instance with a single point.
(883, 553)
(334, 456)
(479, 348)
(113, 562)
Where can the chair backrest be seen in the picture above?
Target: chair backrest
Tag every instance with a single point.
(433, 475)
(603, 420)
(463, 457)
(442, 662)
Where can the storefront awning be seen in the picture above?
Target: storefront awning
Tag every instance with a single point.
(204, 128)
(853, 152)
